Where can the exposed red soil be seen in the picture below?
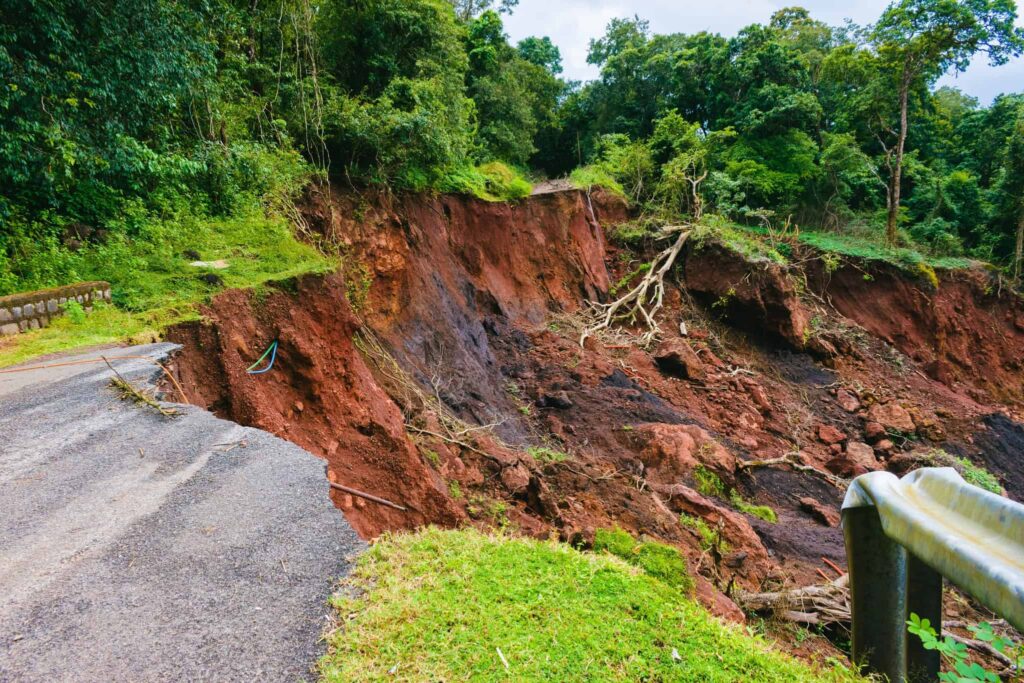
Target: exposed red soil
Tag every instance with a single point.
(479, 305)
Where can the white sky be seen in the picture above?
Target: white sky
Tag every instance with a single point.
(572, 23)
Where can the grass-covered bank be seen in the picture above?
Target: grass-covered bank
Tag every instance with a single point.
(439, 605)
(153, 283)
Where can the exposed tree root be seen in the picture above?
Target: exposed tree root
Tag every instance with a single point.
(645, 300)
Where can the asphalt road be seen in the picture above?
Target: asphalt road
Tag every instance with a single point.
(137, 547)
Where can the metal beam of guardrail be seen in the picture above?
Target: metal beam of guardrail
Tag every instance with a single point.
(902, 537)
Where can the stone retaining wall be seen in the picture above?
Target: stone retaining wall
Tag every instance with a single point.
(32, 310)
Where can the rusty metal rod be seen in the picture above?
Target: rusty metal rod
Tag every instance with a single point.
(367, 496)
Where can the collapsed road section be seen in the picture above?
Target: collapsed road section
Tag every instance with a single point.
(137, 545)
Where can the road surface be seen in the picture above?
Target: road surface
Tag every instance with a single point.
(137, 547)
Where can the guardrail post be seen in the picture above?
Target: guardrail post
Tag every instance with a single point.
(878, 594)
(924, 598)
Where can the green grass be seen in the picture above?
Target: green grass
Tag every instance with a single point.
(760, 511)
(438, 605)
(492, 182)
(661, 561)
(708, 483)
(543, 454)
(154, 286)
(587, 177)
(871, 247)
(972, 474)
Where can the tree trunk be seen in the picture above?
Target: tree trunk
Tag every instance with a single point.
(1018, 253)
(897, 171)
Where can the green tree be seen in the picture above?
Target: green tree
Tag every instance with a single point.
(1011, 190)
(399, 112)
(919, 40)
(467, 9)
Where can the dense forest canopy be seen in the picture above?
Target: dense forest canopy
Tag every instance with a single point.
(117, 115)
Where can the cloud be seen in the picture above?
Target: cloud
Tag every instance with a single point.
(571, 24)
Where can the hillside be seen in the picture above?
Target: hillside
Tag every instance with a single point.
(666, 315)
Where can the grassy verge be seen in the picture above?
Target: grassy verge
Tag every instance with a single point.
(154, 286)
(492, 182)
(439, 605)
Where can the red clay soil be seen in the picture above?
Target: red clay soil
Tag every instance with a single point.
(479, 305)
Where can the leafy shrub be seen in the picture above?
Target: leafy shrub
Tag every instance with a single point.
(956, 654)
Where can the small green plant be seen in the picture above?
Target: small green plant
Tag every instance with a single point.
(455, 489)
(659, 560)
(708, 483)
(709, 538)
(724, 300)
(484, 507)
(831, 261)
(927, 273)
(543, 454)
(955, 653)
(627, 428)
(760, 511)
(358, 281)
(74, 312)
(432, 457)
(525, 410)
(972, 474)
(979, 476)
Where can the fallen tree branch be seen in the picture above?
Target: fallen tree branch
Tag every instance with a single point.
(789, 460)
(367, 496)
(129, 391)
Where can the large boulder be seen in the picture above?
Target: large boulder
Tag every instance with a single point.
(676, 358)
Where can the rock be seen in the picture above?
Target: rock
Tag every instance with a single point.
(821, 513)
(212, 279)
(885, 446)
(736, 530)
(676, 358)
(873, 431)
(671, 452)
(759, 395)
(862, 454)
(843, 466)
(892, 416)
(836, 448)
(830, 435)
(515, 478)
(747, 441)
(716, 602)
(557, 399)
(848, 401)
(219, 264)
(735, 560)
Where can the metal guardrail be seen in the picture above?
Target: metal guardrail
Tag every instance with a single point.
(902, 537)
